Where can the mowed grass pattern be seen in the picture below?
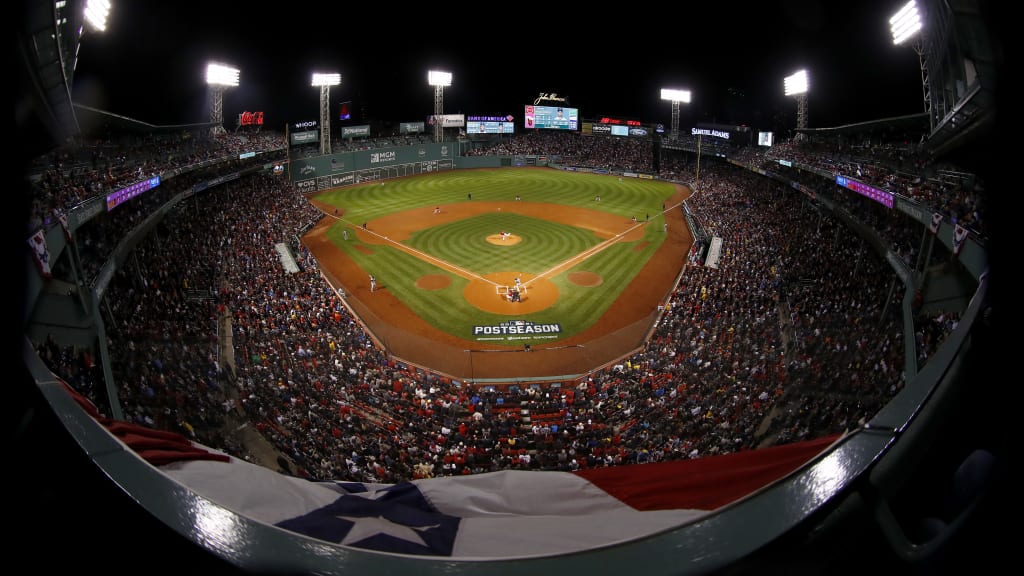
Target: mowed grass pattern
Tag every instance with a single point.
(464, 244)
(630, 197)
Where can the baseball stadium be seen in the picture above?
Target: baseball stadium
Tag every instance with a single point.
(702, 337)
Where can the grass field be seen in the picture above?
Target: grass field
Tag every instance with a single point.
(463, 242)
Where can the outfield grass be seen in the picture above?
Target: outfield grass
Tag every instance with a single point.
(631, 197)
(463, 243)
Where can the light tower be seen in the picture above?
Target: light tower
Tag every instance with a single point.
(325, 81)
(96, 12)
(905, 25)
(219, 77)
(796, 86)
(676, 96)
(438, 80)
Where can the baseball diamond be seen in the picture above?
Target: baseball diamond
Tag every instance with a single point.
(592, 281)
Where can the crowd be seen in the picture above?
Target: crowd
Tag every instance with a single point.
(79, 171)
(892, 166)
(793, 335)
(97, 237)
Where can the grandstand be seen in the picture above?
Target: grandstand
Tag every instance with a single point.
(848, 329)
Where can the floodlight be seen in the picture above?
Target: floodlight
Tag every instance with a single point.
(439, 80)
(324, 82)
(435, 78)
(675, 95)
(326, 79)
(905, 23)
(796, 84)
(221, 75)
(96, 12)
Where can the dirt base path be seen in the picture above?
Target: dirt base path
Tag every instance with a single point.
(620, 330)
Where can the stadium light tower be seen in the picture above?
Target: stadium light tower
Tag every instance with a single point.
(438, 80)
(905, 25)
(676, 96)
(96, 12)
(325, 81)
(796, 86)
(219, 77)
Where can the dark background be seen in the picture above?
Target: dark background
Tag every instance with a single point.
(151, 61)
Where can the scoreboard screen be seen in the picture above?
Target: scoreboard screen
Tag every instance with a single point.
(555, 117)
(490, 125)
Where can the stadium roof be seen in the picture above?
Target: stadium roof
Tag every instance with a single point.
(907, 123)
(92, 120)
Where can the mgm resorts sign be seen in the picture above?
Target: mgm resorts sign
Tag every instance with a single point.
(516, 330)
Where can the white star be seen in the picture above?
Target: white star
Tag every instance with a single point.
(375, 495)
(365, 527)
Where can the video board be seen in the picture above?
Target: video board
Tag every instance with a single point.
(490, 125)
(551, 117)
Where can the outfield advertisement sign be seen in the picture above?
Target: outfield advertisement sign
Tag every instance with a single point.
(516, 330)
(353, 131)
(305, 137)
(440, 153)
(342, 180)
(411, 127)
(448, 120)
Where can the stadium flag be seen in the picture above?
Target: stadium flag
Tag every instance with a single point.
(41, 252)
(936, 221)
(64, 225)
(496, 515)
(959, 235)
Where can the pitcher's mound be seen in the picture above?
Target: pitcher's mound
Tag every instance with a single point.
(509, 239)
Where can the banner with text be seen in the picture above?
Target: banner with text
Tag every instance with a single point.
(411, 127)
(517, 330)
(353, 131)
(449, 120)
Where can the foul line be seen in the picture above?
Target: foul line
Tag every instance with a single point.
(421, 255)
(592, 250)
(572, 261)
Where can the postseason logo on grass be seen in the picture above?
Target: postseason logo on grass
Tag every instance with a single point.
(517, 330)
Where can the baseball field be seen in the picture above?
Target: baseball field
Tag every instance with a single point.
(473, 269)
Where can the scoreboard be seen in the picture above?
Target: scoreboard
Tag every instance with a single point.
(490, 125)
(557, 117)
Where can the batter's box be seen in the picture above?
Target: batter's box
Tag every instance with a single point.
(511, 293)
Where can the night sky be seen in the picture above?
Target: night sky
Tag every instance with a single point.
(150, 63)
